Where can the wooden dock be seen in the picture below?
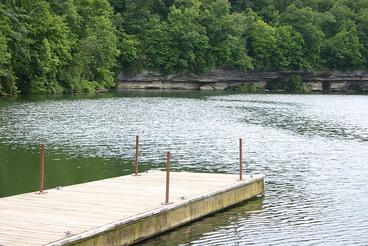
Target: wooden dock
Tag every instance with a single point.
(119, 211)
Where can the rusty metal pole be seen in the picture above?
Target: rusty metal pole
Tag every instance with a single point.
(136, 155)
(168, 156)
(42, 167)
(240, 159)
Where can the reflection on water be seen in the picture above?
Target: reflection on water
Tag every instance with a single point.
(19, 171)
(220, 227)
(312, 148)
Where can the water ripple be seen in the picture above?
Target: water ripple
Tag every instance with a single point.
(313, 150)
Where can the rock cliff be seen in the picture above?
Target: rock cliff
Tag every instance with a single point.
(333, 81)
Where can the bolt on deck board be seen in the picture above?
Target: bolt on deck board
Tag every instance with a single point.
(121, 210)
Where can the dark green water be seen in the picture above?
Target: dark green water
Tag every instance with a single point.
(313, 150)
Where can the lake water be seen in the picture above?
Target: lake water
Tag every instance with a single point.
(313, 150)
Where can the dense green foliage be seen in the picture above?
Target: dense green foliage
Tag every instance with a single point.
(56, 46)
(293, 85)
(247, 88)
(194, 36)
(52, 46)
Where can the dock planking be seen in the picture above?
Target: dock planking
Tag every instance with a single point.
(117, 210)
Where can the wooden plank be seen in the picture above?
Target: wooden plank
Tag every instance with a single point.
(33, 219)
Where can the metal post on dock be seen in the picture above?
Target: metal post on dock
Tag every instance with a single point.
(168, 157)
(136, 155)
(240, 159)
(42, 168)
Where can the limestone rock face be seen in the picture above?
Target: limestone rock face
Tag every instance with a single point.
(206, 88)
(314, 86)
(219, 79)
(220, 86)
(337, 86)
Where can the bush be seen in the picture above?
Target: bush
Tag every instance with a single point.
(355, 88)
(82, 86)
(248, 88)
(326, 87)
(295, 84)
(275, 84)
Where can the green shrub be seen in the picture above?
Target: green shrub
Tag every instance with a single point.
(355, 88)
(275, 84)
(82, 86)
(295, 84)
(326, 87)
(88, 86)
(248, 88)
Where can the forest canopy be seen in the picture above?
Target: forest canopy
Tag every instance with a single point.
(70, 46)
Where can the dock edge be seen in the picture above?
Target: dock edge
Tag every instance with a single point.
(137, 228)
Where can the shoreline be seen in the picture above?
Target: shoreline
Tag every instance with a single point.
(168, 90)
(312, 82)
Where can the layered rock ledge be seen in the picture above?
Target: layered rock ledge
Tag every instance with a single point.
(316, 81)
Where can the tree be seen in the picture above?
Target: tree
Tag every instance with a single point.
(7, 83)
(155, 44)
(321, 6)
(343, 51)
(342, 14)
(270, 14)
(129, 59)
(40, 46)
(96, 51)
(305, 21)
(362, 23)
(225, 32)
(328, 24)
(189, 45)
(262, 43)
(52, 46)
(288, 53)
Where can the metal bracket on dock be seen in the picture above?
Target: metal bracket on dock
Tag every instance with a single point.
(41, 192)
(168, 203)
